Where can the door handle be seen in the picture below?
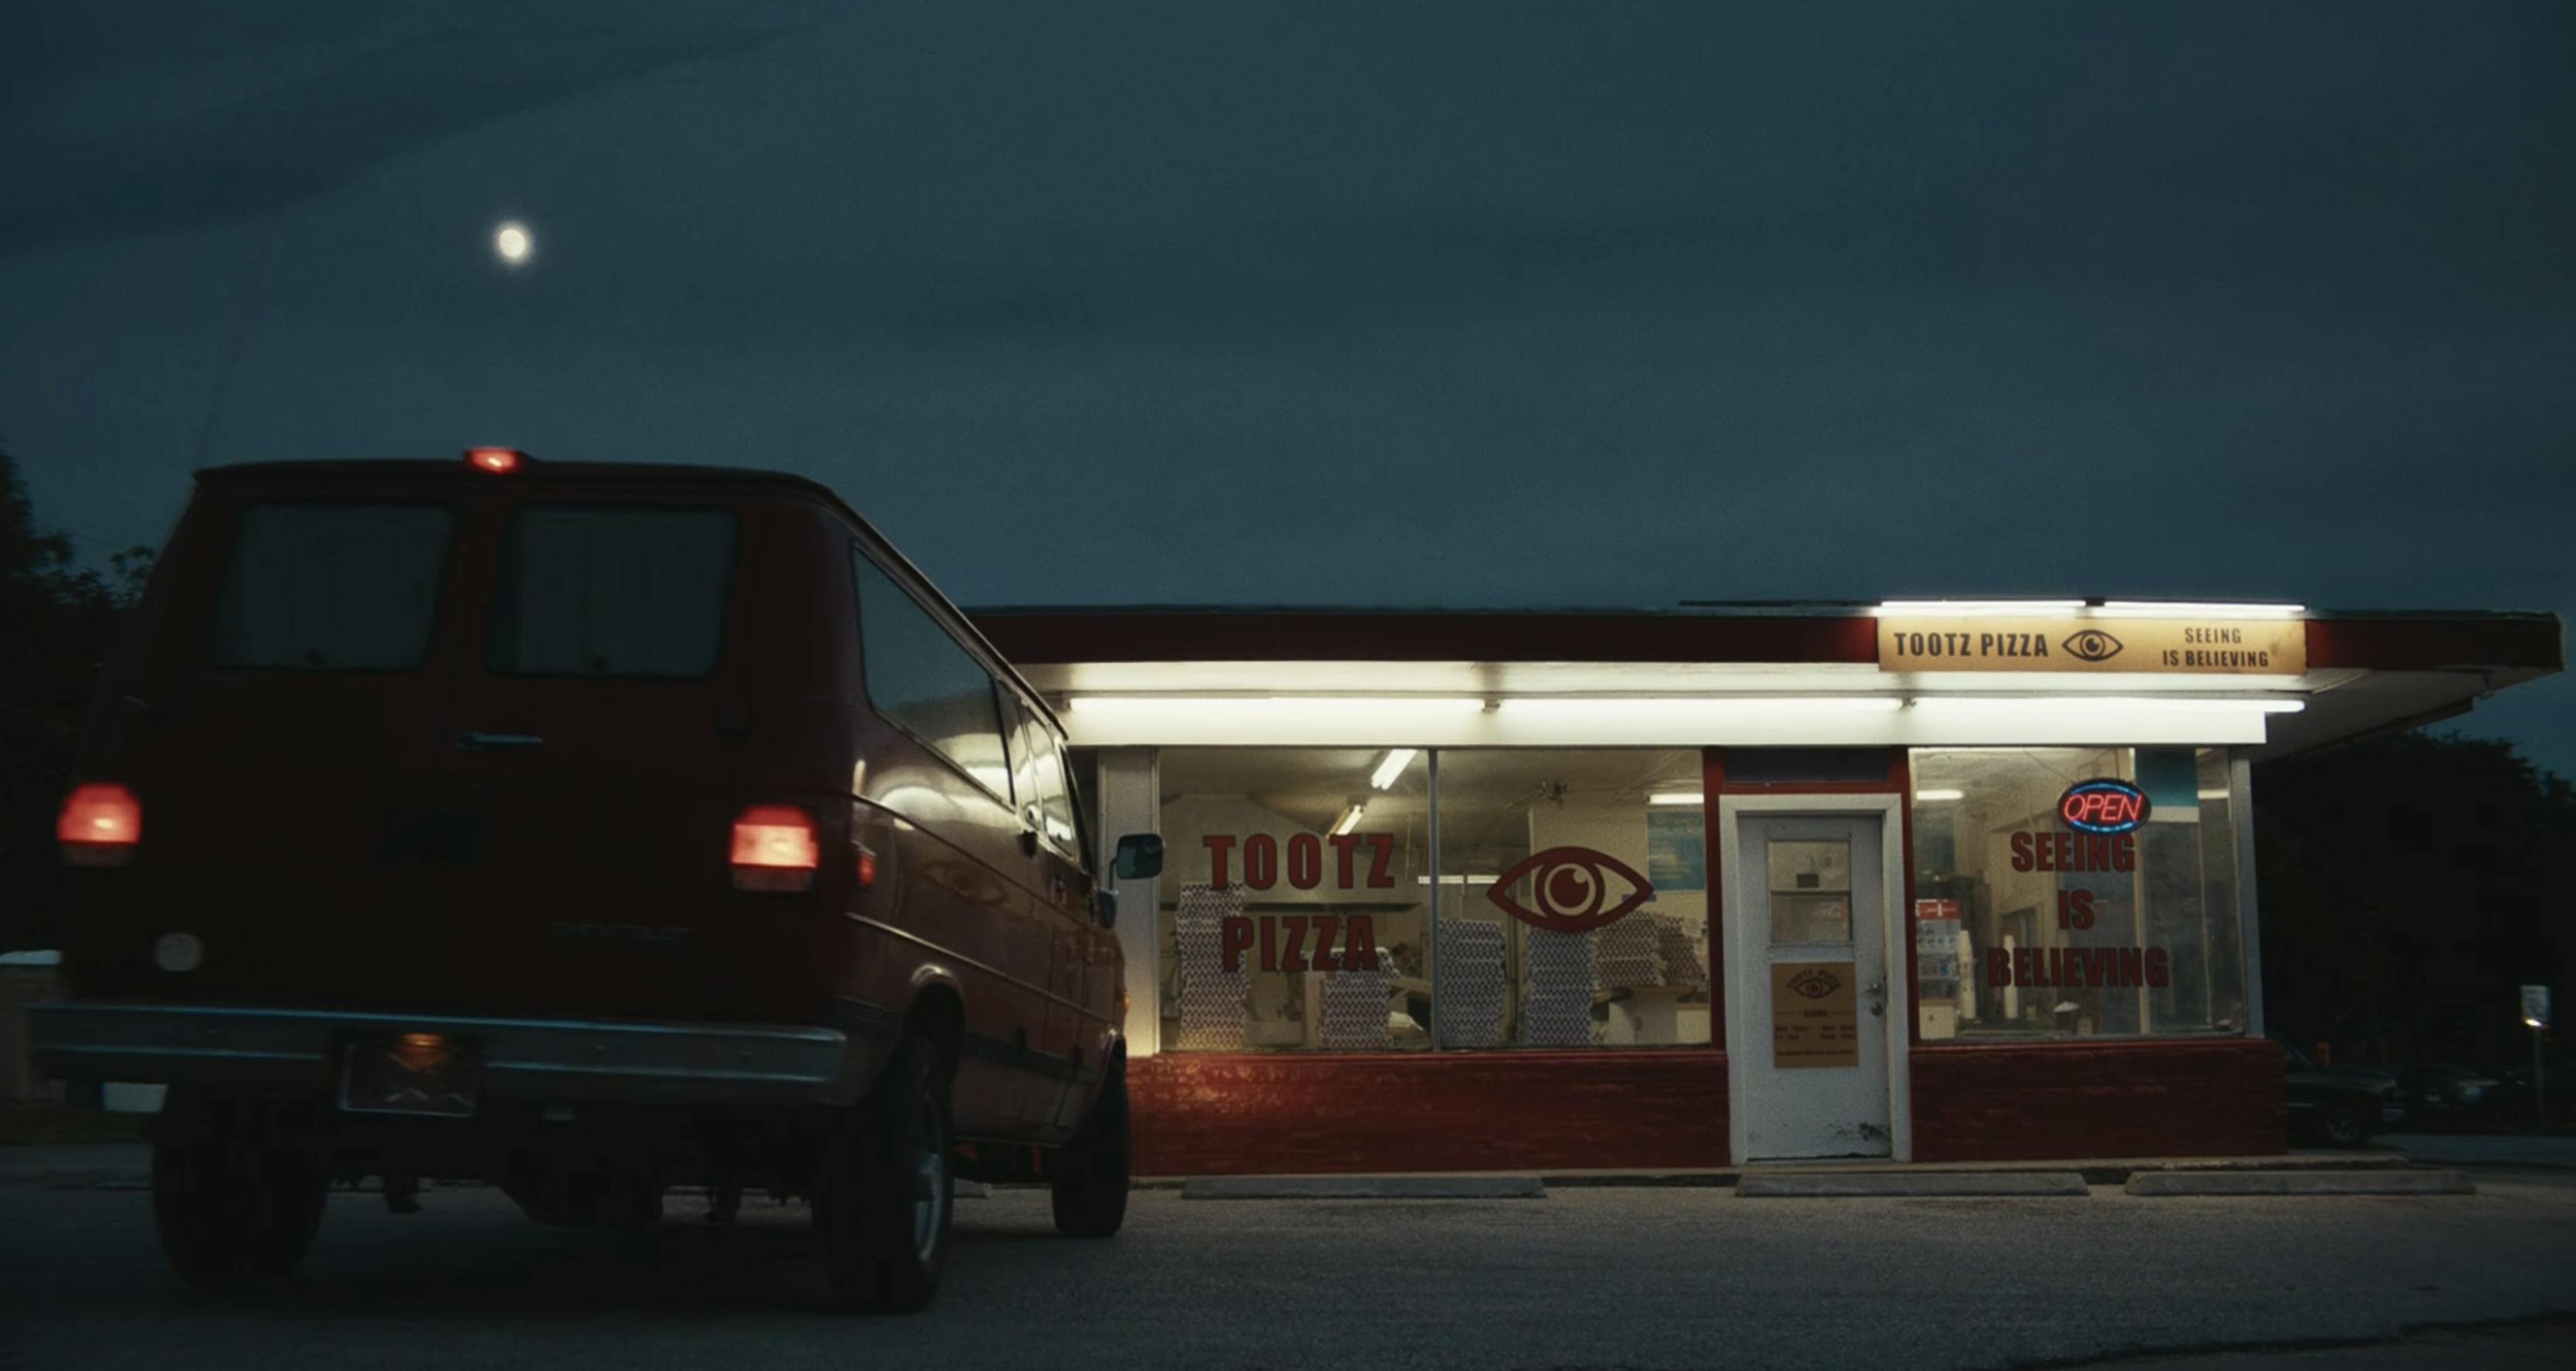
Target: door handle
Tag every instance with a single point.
(1878, 997)
(499, 740)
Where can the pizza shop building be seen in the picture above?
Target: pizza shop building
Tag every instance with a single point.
(1929, 881)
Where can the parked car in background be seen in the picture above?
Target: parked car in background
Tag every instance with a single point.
(591, 830)
(2340, 1106)
(2511, 1100)
(2444, 1090)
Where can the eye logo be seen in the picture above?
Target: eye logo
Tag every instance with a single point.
(1571, 887)
(2092, 645)
(1815, 983)
(2103, 806)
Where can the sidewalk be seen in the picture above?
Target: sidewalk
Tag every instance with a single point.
(2473, 1149)
(116, 1166)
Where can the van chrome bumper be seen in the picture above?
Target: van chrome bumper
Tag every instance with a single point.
(545, 1060)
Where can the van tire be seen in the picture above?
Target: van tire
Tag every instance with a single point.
(1090, 1177)
(877, 1165)
(236, 1202)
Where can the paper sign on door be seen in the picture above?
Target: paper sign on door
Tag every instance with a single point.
(1815, 1018)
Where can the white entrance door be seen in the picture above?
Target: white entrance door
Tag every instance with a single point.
(1808, 981)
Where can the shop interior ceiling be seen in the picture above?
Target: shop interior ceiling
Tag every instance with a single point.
(1311, 786)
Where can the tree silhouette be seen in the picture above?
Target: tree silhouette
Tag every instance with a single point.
(58, 620)
(2408, 886)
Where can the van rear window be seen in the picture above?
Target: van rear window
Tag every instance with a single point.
(593, 591)
(331, 587)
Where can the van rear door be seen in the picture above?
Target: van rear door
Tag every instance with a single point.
(279, 718)
(595, 737)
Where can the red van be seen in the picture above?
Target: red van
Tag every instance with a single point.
(590, 830)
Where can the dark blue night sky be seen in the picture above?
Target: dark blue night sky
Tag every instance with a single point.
(1470, 304)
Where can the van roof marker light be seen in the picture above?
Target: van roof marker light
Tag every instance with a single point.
(500, 461)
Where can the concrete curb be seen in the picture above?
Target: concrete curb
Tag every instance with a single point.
(1363, 1188)
(1913, 1184)
(2300, 1183)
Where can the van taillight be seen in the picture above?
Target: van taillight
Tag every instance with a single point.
(100, 824)
(774, 849)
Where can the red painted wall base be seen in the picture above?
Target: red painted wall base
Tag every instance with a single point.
(1277, 1113)
(2039, 1101)
(1209, 1115)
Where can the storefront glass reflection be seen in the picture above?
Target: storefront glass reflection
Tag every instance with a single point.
(1296, 912)
(1296, 899)
(2044, 912)
(1574, 903)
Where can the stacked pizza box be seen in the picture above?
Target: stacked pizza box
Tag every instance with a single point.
(1556, 989)
(1212, 998)
(1469, 1005)
(1631, 954)
(1681, 953)
(1355, 1010)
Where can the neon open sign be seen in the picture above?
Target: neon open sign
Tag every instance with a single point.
(2103, 806)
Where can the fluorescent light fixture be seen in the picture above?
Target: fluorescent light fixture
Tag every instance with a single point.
(1350, 818)
(1484, 879)
(2169, 706)
(1276, 706)
(2213, 794)
(1677, 797)
(1936, 796)
(2196, 609)
(1697, 706)
(1937, 607)
(1397, 760)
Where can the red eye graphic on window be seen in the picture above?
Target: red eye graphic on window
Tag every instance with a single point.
(1572, 889)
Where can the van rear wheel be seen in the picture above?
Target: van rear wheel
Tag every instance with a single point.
(1090, 1178)
(882, 1197)
(235, 1198)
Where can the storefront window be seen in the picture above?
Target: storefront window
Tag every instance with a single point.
(2075, 892)
(1574, 899)
(1295, 899)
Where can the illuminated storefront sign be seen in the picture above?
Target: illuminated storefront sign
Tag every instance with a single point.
(2103, 805)
(2260, 647)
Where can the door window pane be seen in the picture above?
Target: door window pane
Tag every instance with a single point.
(331, 587)
(1810, 891)
(2027, 924)
(925, 681)
(590, 591)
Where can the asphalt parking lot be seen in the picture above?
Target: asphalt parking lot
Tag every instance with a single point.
(1593, 1277)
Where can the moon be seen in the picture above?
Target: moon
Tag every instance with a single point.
(514, 243)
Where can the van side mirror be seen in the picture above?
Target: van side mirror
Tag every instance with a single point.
(1140, 857)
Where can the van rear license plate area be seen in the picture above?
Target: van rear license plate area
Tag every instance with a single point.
(411, 1073)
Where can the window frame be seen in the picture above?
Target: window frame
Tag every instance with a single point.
(992, 679)
(2246, 972)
